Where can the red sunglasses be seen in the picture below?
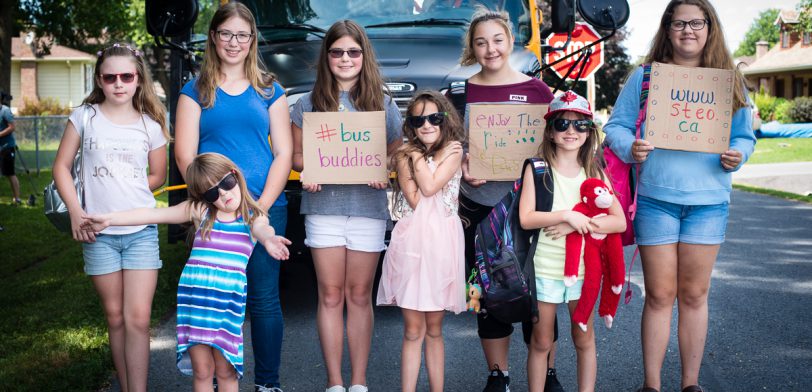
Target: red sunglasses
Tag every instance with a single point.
(127, 77)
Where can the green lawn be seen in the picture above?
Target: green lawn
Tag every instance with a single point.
(54, 328)
(782, 150)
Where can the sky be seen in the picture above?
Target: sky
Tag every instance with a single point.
(736, 17)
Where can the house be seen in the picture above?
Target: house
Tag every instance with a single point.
(65, 74)
(786, 69)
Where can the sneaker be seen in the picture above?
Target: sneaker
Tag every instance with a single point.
(336, 388)
(552, 384)
(497, 382)
(266, 388)
(358, 388)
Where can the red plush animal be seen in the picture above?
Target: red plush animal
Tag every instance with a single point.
(603, 257)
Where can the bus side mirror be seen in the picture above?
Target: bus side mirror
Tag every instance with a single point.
(604, 14)
(562, 15)
(170, 18)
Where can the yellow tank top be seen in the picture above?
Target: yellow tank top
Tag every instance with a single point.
(549, 257)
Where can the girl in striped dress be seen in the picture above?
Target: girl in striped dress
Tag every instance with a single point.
(212, 286)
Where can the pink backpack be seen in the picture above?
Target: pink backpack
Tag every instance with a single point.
(620, 174)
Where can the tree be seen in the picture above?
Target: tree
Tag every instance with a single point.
(763, 28)
(611, 76)
(805, 17)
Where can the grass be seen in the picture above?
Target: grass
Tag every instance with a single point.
(54, 328)
(773, 192)
(782, 150)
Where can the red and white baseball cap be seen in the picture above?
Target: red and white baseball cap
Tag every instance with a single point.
(569, 101)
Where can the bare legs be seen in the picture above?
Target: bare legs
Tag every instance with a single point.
(345, 277)
(126, 297)
(681, 272)
(420, 326)
(208, 362)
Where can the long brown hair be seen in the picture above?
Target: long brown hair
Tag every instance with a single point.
(366, 95)
(205, 171)
(714, 55)
(261, 80)
(145, 100)
(590, 156)
(481, 15)
(450, 130)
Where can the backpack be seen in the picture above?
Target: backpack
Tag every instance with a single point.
(504, 252)
(620, 173)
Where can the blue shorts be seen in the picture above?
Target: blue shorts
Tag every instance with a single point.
(555, 292)
(113, 252)
(659, 223)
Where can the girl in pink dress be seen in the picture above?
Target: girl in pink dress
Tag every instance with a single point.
(423, 270)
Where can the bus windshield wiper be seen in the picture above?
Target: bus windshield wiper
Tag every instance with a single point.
(296, 26)
(422, 22)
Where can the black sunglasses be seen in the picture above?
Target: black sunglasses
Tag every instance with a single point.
(418, 121)
(337, 53)
(582, 126)
(227, 183)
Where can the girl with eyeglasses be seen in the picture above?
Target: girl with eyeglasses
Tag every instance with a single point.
(569, 146)
(233, 108)
(489, 42)
(212, 285)
(683, 196)
(122, 130)
(345, 224)
(424, 267)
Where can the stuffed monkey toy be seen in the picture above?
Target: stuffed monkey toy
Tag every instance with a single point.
(603, 257)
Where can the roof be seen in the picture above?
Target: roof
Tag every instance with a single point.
(21, 51)
(795, 58)
(787, 16)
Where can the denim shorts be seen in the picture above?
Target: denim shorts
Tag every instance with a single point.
(659, 223)
(115, 252)
(555, 292)
(353, 232)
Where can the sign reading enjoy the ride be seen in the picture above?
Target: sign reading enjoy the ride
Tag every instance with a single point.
(689, 108)
(501, 137)
(344, 147)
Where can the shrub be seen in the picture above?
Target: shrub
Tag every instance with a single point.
(766, 105)
(782, 111)
(801, 110)
(44, 107)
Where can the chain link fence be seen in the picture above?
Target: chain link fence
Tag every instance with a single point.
(38, 139)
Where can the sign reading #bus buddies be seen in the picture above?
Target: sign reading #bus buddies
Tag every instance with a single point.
(689, 109)
(344, 147)
(501, 137)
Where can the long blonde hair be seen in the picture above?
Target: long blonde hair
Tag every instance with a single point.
(145, 100)
(714, 55)
(482, 15)
(205, 171)
(366, 95)
(590, 156)
(260, 80)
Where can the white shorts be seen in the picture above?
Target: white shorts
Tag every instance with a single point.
(353, 232)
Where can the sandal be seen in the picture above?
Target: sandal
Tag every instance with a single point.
(693, 388)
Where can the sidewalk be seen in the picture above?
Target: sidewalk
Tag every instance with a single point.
(794, 177)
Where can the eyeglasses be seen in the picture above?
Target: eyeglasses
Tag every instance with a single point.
(337, 53)
(679, 25)
(127, 77)
(418, 121)
(581, 126)
(226, 36)
(227, 183)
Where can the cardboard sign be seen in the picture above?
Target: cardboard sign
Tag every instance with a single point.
(501, 137)
(689, 109)
(344, 147)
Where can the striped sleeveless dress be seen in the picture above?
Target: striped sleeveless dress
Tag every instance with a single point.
(212, 294)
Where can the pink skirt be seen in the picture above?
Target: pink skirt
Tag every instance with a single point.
(424, 266)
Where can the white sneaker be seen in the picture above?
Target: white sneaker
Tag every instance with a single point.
(358, 388)
(336, 388)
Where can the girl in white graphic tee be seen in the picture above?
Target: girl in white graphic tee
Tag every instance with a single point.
(122, 129)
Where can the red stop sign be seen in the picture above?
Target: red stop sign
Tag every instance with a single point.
(582, 35)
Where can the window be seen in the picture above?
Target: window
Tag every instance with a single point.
(785, 39)
(88, 73)
(797, 87)
(779, 88)
(807, 38)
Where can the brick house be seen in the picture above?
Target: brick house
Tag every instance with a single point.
(65, 74)
(785, 70)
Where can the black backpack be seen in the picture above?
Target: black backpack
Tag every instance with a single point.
(504, 252)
